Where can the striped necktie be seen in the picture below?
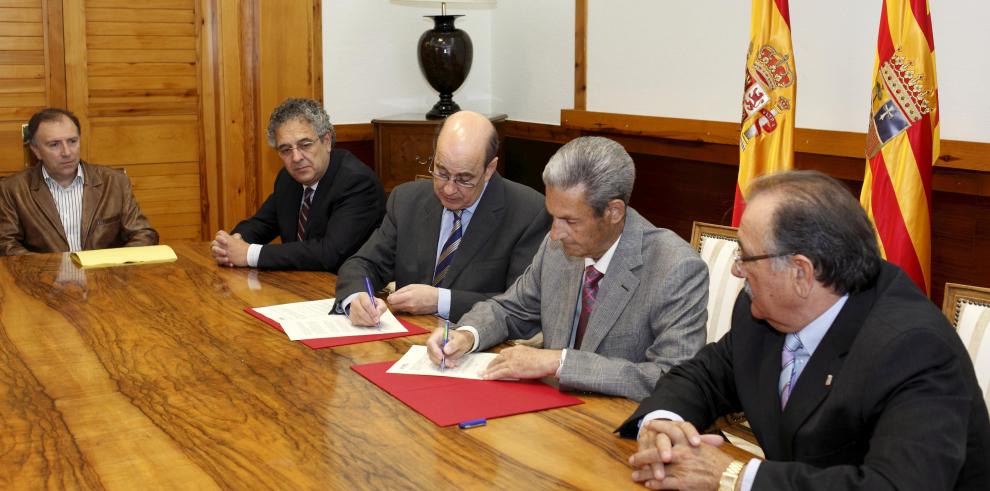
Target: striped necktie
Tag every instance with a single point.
(449, 248)
(589, 293)
(789, 371)
(304, 214)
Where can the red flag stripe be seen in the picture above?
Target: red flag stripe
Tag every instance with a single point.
(920, 10)
(890, 223)
(785, 11)
(738, 207)
(885, 45)
(920, 137)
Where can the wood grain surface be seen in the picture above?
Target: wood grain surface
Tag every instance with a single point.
(153, 376)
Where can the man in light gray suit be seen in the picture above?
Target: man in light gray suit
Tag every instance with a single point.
(619, 301)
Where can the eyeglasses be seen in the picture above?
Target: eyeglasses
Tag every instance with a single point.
(305, 146)
(443, 176)
(741, 260)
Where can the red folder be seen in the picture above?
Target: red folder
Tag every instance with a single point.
(447, 401)
(331, 342)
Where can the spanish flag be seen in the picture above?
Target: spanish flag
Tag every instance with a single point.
(903, 141)
(766, 139)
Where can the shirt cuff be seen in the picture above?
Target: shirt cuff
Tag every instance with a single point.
(253, 253)
(659, 414)
(443, 303)
(563, 356)
(345, 306)
(477, 339)
(749, 475)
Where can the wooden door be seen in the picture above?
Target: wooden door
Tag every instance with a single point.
(133, 78)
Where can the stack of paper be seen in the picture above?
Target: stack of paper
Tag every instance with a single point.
(124, 255)
(311, 323)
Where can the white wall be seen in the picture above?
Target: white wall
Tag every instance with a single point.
(655, 57)
(370, 67)
(533, 59)
(686, 59)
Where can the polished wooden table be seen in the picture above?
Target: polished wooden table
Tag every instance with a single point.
(153, 376)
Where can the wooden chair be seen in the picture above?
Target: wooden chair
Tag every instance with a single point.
(717, 245)
(968, 310)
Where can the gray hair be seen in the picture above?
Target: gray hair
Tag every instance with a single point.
(305, 109)
(820, 219)
(601, 165)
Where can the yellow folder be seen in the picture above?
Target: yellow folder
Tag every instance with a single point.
(124, 255)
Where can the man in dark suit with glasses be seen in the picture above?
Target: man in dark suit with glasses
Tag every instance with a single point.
(325, 204)
(452, 242)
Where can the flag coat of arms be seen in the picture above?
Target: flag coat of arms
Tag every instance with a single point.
(766, 139)
(902, 141)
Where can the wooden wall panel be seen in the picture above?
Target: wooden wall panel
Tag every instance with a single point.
(289, 65)
(133, 79)
(26, 67)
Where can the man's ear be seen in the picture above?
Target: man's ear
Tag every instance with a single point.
(615, 211)
(35, 151)
(804, 275)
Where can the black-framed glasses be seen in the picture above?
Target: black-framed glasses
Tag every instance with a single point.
(305, 146)
(740, 260)
(443, 176)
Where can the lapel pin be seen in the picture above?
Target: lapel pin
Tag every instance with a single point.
(828, 380)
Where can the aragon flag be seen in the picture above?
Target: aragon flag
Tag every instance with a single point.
(903, 138)
(766, 140)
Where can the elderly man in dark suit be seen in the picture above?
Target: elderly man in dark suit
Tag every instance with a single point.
(64, 204)
(451, 242)
(325, 204)
(619, 301)
(849, 376)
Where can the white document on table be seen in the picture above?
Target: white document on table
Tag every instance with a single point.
(416, 361)
(310, 320)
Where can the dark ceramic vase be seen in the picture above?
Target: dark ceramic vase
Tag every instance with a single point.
(445, 54)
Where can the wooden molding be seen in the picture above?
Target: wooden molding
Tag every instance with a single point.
(538, 131)
(353, 132)
(962, 155)
(580, 54)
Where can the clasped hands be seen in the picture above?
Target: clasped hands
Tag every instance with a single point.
(673, 455)
(229, 250)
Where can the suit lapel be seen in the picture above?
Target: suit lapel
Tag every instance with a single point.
(289, 207)
(483, 224)
(618, 285)
(43, 200)
(766, 421)
(93, 190)
(318, 209)
(810, 389)
(427, 237)
(557, 331)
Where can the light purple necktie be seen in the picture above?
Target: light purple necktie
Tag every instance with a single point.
(788, 373)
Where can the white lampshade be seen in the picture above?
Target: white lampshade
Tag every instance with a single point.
(443, 5)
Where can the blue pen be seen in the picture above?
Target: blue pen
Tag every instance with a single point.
(446, 336)
(371, 293)
(474, 423)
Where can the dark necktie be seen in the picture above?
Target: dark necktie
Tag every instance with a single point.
(304, 214)
(449, 248)
(589, 292)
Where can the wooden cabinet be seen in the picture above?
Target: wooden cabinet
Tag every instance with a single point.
(404, 146)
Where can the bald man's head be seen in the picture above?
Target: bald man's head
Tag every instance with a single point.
(465, 159)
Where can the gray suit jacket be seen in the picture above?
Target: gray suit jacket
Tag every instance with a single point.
(649, 316)
(499, 243)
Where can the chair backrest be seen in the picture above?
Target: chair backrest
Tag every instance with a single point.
(717, 245)
(968, 309)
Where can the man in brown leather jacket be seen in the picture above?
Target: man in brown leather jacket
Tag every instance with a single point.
(65, 204)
